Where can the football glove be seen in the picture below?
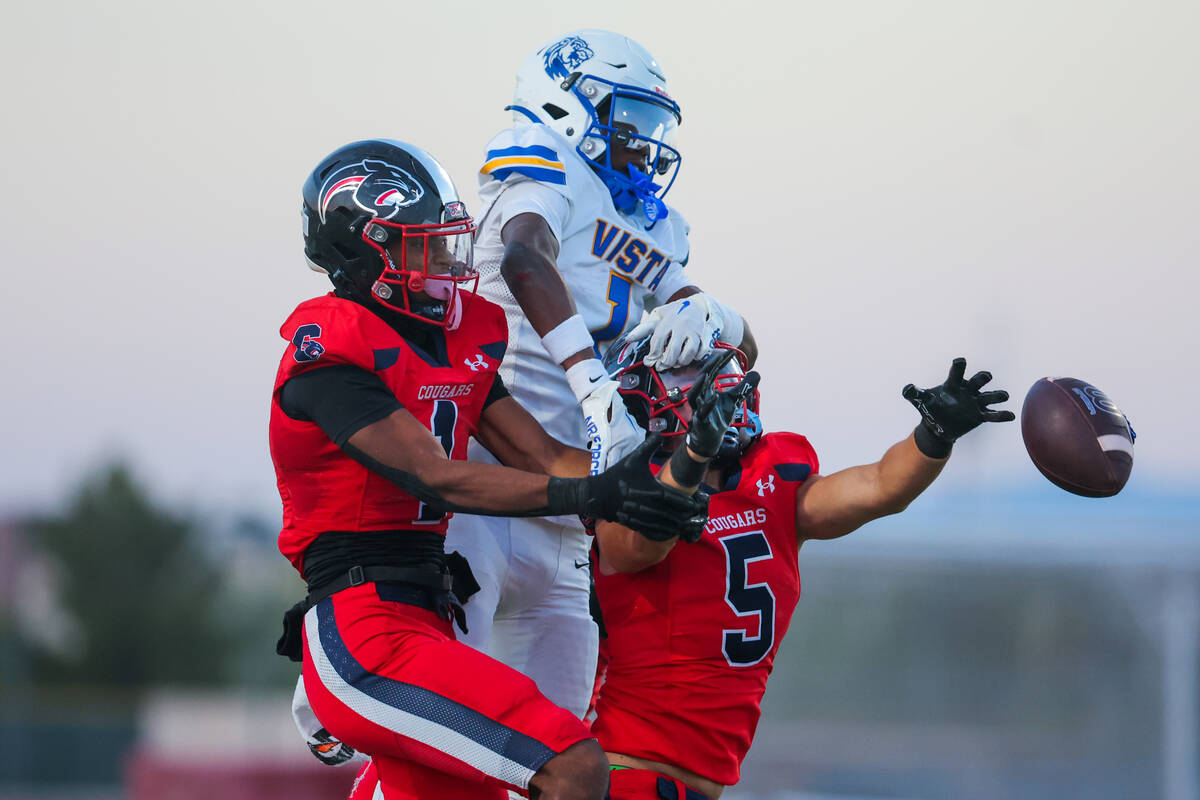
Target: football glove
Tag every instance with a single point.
(694, 528)
(680, 331)
(612, 432)
(712, 409)
(953, 409)
(629, 493)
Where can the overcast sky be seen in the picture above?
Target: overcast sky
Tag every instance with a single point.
(877, 186)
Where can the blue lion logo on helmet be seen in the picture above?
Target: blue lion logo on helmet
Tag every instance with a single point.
(564, 56)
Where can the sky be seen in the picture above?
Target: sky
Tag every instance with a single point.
(878, 186)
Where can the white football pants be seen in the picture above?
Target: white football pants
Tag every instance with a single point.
(531, 611)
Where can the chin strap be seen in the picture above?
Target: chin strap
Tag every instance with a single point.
(627, 190)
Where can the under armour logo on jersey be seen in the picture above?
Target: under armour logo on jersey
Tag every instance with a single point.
(769, 486)
(477, 363)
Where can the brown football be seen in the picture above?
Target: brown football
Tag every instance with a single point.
(1077, 437)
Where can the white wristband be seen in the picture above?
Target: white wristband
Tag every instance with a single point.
(585, 376)
(733, 327)
(568, 338)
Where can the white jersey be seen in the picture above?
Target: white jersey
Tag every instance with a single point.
(615, 265)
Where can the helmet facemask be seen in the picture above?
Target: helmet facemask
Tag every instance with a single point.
(428, 270)
(629, 118)
(658, 400)
(383, 220)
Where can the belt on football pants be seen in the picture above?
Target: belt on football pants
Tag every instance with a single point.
(422, 577)
(442, 592)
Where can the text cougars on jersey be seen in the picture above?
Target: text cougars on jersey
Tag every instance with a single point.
(727, 522)
(444, 391)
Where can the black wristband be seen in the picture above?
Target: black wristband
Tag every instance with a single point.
(567, 496)
(686, 470)
(929, 444)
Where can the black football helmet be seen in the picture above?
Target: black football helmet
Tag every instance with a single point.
(383, 220)
(658, 399)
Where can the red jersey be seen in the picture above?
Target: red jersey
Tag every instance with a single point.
(691, 640)
(322, 488)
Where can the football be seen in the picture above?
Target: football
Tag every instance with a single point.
(1077, 437)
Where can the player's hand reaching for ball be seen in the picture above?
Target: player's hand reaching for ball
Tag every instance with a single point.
(954, 408)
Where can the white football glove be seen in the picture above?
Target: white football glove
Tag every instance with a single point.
(612, 432)
(680, 332)
(323, 745)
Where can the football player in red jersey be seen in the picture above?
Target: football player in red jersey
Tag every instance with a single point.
(381, 384)
(693, 628)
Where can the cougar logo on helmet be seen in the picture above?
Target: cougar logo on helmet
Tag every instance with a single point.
(378, 187)
(565, 56)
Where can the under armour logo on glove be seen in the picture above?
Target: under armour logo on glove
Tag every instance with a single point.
(769, 486)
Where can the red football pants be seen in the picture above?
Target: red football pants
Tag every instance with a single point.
(438, 718)
(644, 784)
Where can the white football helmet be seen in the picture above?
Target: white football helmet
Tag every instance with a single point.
(598, 88)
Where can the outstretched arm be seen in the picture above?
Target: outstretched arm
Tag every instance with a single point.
(830, 506)
(834, 505)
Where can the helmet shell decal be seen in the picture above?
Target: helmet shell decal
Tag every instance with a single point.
(565, 56)
(379, 188)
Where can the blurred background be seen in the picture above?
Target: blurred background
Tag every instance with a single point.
(879, 186)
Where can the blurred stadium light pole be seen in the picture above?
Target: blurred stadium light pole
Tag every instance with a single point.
(1180, 639)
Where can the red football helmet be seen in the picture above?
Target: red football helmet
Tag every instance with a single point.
(658, 399)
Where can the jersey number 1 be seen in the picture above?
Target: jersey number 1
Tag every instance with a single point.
(747, 600)
(441, 423)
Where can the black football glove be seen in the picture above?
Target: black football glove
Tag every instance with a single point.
(628, 493)
(713, 410)
(953, 409)
(694, 528)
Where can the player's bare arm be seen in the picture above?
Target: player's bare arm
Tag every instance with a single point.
(833, 505)
(518, 440)
(530, 269)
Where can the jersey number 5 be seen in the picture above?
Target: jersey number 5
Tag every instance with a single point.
(746, 599)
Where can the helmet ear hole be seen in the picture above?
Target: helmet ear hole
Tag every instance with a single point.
(554, 111)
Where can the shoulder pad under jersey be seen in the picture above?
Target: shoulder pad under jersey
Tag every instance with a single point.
(532, 152)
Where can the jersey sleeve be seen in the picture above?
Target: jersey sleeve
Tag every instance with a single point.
(324, 332)
(524, 166)
(794, 457)
(676, 277)
(672, 282)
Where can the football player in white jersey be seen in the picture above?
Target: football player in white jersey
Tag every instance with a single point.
(577, 245)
